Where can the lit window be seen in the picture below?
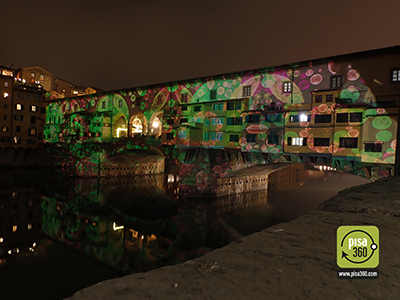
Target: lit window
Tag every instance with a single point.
(182, 134)
(396, 75)
(247, 91)
(336, 81)
(75, 92)
(14, 228)
(17, 140)
(303, 118)
(7, 73)
(29, 226)
(298, 141)
(218, 106)
(216, 121)
(4, 129)
(216, 136)
(32, 132)
(6, 84)
(1, 239)
(41, 77)
(287, 87)
(18, 107)
(33, 108)
(5, 95)
(32, 74)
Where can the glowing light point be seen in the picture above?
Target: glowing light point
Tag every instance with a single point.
(115, 227)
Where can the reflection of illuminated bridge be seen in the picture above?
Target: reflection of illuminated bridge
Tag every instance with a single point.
(339, 111)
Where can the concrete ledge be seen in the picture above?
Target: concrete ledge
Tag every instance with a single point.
(294, 260)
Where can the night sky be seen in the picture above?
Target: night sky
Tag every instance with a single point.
(127, 43)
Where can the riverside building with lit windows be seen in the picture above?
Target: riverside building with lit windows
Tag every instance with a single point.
(335, 110)
(23, 111)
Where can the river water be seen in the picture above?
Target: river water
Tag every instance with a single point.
(58, 235)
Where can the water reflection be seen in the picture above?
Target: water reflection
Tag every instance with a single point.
(134, 224)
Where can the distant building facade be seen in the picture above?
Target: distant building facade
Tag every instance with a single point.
(66, 89)
(23, 111)
(37, 75)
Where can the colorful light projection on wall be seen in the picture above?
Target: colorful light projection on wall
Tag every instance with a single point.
(247, 111)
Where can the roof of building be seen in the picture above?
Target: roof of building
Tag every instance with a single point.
(35, 67)
(341, 57)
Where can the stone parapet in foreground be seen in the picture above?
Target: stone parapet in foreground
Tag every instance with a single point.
(294, 260)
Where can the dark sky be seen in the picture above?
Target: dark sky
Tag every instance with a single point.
(127, 43)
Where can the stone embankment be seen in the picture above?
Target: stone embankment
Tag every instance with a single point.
(294, 260)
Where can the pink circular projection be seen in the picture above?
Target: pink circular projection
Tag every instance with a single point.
(333, 68)
(303, 85)
(309, 72)
(304, 133)
(316, 79)
(217, 169)
(353, 75)
(320, 149)
(320, 70)
(322, 107)
(393, 144)
(353, 133)
(333, 148)
(380, 111)
(352, 88)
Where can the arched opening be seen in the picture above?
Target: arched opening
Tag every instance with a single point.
(138, 125)
(120, 128)
(155, 126)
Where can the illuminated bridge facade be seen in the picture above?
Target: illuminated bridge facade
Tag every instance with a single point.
(339, 111)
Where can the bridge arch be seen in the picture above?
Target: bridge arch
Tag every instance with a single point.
(138, 125)
(155, 124)
(119, 126)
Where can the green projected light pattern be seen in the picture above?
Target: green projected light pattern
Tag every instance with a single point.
(187, 113)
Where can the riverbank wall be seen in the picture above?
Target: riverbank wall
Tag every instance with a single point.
(293, 260)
